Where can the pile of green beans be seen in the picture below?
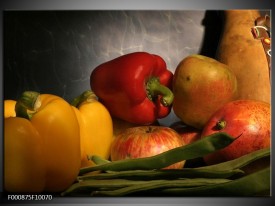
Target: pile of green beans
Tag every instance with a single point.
(144, 176)
(199, 148)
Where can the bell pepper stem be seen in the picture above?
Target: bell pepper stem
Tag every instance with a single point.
(87, 96)
(27, 104)
(154, 88)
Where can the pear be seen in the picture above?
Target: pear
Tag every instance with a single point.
(201, 86)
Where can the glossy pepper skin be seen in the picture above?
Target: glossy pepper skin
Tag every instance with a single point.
(42, 145)
(9, 108)
(134, 87)
(24, 157)
(96, 127)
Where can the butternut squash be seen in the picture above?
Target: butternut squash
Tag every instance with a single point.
(245, 55)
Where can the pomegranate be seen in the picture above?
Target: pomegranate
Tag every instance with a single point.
(248, 121)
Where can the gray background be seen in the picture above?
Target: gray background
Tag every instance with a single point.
(55, 51)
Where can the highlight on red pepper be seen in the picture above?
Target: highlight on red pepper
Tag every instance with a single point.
(135, 87)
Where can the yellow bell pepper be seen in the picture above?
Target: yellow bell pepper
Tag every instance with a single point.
(24, 166)
(96, 128)
(9, 108)
(42, 145)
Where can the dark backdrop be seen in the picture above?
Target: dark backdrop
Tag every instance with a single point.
(55, 51)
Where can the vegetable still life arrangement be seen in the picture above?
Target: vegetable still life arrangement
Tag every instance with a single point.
(108, 141)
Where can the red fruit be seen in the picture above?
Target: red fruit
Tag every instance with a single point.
(189, 134)
(248, 120)
(145, 141)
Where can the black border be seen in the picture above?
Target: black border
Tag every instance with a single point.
(132, 5)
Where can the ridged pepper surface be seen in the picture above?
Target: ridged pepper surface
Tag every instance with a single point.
(134, 87)
(41, 144)
(96, 127)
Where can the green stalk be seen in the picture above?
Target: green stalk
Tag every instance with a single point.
(154, 88)
(27, 104)
(88, 96)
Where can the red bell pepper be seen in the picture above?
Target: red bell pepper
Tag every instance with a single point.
(134, 87)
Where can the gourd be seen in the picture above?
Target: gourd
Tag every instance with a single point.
(245, 55)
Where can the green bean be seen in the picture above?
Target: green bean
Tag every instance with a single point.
(145, 174)
(221, 170)
(230, 165)
(163, 174)
(250, 185)
(199, 148)
(132, 181)
(153, 184)
(239, 162)
(91, 185)
(98, 160)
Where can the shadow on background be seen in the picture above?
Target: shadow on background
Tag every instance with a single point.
(213, 28)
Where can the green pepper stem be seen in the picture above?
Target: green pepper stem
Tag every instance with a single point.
(88, 96)
(154, 88)
(27, 104)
